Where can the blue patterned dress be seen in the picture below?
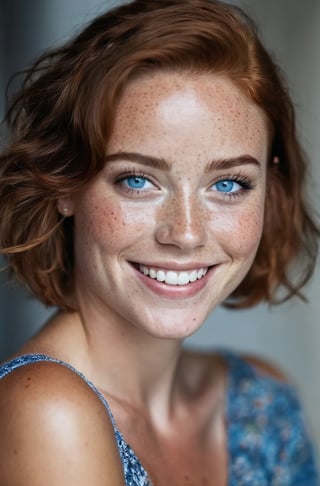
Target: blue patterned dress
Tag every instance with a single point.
(267, 440)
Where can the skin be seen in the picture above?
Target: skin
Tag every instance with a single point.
(179, 221)
(127, 336)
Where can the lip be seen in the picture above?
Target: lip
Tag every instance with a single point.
(174, 291)
(177, 267)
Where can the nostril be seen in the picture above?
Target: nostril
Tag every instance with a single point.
(182, 232)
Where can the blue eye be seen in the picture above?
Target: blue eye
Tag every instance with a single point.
(227, 186)
(136, 182)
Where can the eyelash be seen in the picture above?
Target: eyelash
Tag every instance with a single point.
(132, 174)
(244, 181)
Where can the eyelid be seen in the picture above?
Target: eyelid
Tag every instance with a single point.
(228, 180)
(135, 192)
(126, 174)
(246, 184)
(240, 178)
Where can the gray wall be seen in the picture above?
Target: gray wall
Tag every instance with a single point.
(289, 334)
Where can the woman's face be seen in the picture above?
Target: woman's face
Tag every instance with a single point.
(171, 225)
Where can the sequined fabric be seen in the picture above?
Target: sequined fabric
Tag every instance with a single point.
(267, 439)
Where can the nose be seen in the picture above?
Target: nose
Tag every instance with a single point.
(182, 223)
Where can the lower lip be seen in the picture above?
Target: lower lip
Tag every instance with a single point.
(174, 291)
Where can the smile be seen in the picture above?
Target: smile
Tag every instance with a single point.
(171, 277)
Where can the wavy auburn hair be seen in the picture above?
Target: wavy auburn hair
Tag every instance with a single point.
(62, 117)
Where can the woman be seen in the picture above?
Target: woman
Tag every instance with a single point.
(153, 173)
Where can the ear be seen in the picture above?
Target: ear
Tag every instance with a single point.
(65, 206)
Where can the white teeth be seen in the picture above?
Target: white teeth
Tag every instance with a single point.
(183, 278)
(152, 273)
(161, 276)
(200, 273)
(171, 277)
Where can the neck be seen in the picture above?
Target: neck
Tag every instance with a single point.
(127, 363)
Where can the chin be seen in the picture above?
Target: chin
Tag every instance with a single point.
(176, 328)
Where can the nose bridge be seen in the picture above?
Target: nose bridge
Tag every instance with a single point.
(183, 222)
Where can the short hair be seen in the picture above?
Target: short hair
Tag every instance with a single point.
(63, 115)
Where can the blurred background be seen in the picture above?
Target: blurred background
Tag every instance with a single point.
(289, 334)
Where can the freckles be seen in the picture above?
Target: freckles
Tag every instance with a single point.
(103, 221)
(111, 225)
(137, 104)
(249, 231)
(239, 232)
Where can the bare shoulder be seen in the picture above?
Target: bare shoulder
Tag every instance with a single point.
(55, 430)
(198, 360)
(266, 368)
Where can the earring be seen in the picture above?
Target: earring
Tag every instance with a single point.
(276, 160)
(64, 206)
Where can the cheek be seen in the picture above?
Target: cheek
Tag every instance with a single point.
(111, 225)
(240, 231)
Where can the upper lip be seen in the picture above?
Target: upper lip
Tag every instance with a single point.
(178, 267)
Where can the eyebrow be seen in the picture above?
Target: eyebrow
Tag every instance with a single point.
(229, 163)
(155, 162)
(160, 163)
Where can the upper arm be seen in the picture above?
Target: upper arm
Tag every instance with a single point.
(55, 431)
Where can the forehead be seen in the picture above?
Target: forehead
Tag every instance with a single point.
(206, 109)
